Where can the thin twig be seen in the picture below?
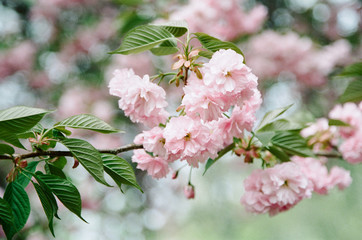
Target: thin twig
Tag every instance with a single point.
(69, 154)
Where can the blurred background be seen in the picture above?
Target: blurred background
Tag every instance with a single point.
(53, 55)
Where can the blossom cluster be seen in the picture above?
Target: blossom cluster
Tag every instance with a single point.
(203, 128)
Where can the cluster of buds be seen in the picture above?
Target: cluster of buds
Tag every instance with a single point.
(186, 62)
(246, 149)
(39, 140)
(322, 140)
(18, 166)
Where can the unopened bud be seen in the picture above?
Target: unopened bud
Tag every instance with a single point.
(23, 164)
(248, 158)
(187, 64)
(198, 73)
(76, 163)
(174, 175)
(189, 192)
(239, 151)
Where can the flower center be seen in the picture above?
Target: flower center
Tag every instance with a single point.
(187, 137)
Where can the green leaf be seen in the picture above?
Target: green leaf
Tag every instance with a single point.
(18, 200)
(38, 128)
(143, 38)
(280, 124)
(292, 143)
(120, 171)
(10, 138)
(213, 44)
(176, 28)
(353, 92)
(271, 115)
(4, 148)
(48, 202)
(280, 154)
(88, 156)
(65, 191)
(58, 162)
(24, 177)
(206, 54)
(86, 121)
(20, 118)
(221, 153)
(51, 169)
(265, 137)
(6, 213)
(336, 122)
(353, 70)
(166, 48)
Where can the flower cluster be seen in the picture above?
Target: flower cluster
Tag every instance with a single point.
(203, 128)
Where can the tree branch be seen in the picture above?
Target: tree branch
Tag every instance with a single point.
(69, 154)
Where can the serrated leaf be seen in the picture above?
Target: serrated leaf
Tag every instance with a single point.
(51, 169)
(18, 200)
(213, 44)
(206, 54)
(6, 213)
(292, 143)
(353, 92)
(271, 115)
(176, 28)
(120, 171)
(24, 177)
(20, 118)
(353, 70)
(280, 154)
(166, 48)
(47, 201)
(38, 128)
(4, 148)
(88, 156)
(10, 138)
(221, 153)
(58, 162)
(337, 122)
(280, 124)
(65, 191)
(143, 38)
(265, 137)
(86, 121)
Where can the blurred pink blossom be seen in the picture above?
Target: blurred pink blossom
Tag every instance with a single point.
(349, 113)
(155, 166)
(351, 148)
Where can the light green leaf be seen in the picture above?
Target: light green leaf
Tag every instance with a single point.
(213, 44)
(18, 200)
(271, 115)
(292, 143)
(6, 213)
(337, 122)
(10, 138)
(143, 38)
(88, 156)
(65, 191)
(280, 154)
(120, 170)
(353, 92)
(206, 54)
(20, 119)
(221, 153)
(86, 121)
(48, 202)
(4, 148)
(280, 124)
(265, 137)
(166, 48)
(353, 70)
(24, 177)
(176, 28)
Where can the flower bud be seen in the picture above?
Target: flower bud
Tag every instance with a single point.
(76, 163)
(189, 192)
(174, 175)
(23, 164)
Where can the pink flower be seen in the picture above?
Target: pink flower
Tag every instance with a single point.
(349, 113)
(226, 72)
(155, 166)
(351, 148)
(189, 192)
(190, 140)
(141, 100)
(153, 141)
(340, 177)
(275, 189)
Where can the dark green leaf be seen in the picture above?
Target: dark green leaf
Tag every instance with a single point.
(213, 44)
(88, 156)
(20, 119)
(292, 143)
(353, 92)
(221, 153)
(51, 169)
(38, 128)
(86, 121)
(143, 38)
(353, 70)
(58, 162)
(271, 115)
(24, 177)
(18, 200)
(6, 213)
(10, 138)
(176, 28)
(47, 201)
(4, 148)
(120, 170)
(336, 122)
(280, 154)
(65, 191)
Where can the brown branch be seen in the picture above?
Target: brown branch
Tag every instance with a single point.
(329, 155)
(69, 154)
